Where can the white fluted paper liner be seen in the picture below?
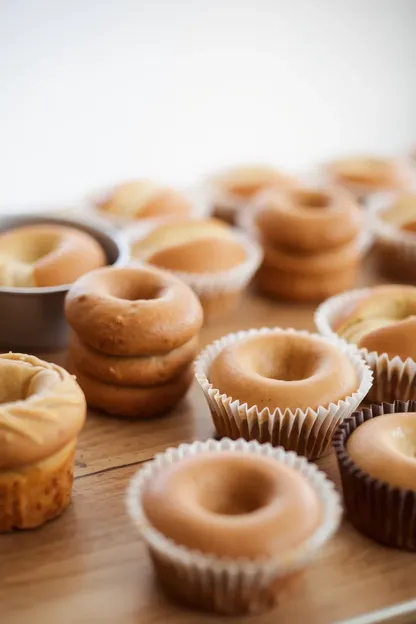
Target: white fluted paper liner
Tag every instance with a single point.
(395, 242)
(307, 432)
(231, 585)
(394, 379)
(196, 196)
(246, 220)
(211, 284)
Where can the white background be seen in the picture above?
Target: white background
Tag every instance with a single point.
(92, 91)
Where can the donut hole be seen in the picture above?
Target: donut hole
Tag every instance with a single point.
(137, 292)
(313, 199)
(235, 492)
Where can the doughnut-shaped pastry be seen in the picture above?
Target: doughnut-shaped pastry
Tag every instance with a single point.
(304, 287)
(42, 411)
(47, 255)
(139, 199)
(232, 505)
(133, 311)
(283, 370)
(315, 264)
(149, 370)
(384, 447)
(308, 219)
(383, 320)
(191, 246)
(363, 174)
(134, 401)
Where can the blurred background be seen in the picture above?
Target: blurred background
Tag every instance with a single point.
(94, 91)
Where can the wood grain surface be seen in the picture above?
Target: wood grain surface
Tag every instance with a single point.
(90, 566)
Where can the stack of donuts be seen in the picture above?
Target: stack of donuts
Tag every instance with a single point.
(309, 238)
(134, 339)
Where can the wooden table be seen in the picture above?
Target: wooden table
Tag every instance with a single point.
(90, 566)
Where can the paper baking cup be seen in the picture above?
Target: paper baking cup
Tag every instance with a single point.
(223, 585)
(196, 196)
(246, 220)
(307, 432)
(397, 246)
(394, 379)
(212, 285)
(380, 511)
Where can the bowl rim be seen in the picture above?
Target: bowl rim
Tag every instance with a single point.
(88, 225)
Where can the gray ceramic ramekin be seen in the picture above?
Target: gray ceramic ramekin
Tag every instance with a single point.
(33, 319)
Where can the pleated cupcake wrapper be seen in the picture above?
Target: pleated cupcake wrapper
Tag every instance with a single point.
(394, 379)
(246, 220)
(395, 242)
(307, 432)
(230, 585)
(198, 198)
(229, 281)
(380, 511)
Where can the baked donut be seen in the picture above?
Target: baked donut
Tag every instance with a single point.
(133, 311)
(304, 288)
(200, 503)
(401, 214)
(192, 246)
(148, 370)
(235, 187)
(42, 411)
(284, 370)
(364, 174)
(134, 401)
(383, 320)
(47, 255)
(139, 199)
(308, 219)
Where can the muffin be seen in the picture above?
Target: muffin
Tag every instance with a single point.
(393, 222)
(281, 386)
(42, 411)
(215, 260)
(221, 540)
(381, 322)
(365, 175)
(375, 449)
(311, 242)
(43, 255)
(236, 187)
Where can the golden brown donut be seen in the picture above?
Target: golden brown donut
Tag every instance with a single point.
(308, 219)
(235, 187)
(191, 246)
(384, 447)
(138, 199)
(366, 174)
(382, 320)
(232, 505)
(313, 264)
(304, 288)
(402, 214)
(283, 370)
(149, 370)
(133, 311)
(134, 401)
(42, 411)
(47, 255)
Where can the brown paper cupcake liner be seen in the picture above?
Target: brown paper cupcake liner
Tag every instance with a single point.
(222, 585)
(307, 432)
(376, 509)
(394, 379)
